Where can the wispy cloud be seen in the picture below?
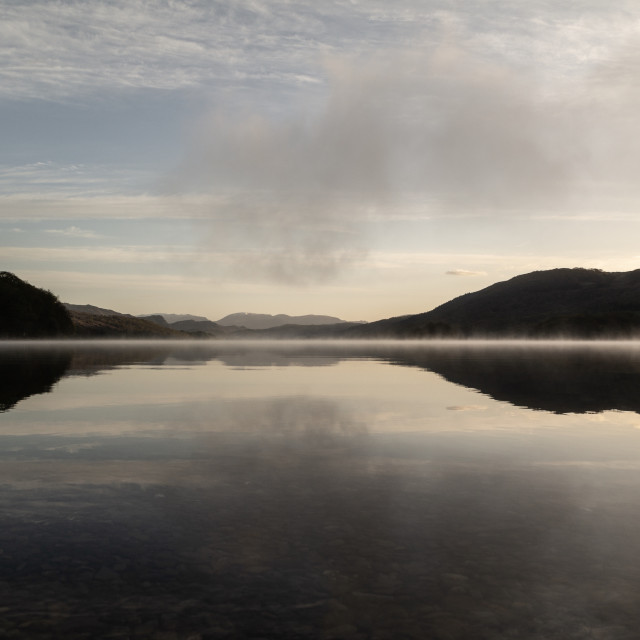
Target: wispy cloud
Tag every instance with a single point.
(63, 50)
(52, 179)
(103, 255)
(465, 272)
(51, 205)
(75, 232)
(60, 50)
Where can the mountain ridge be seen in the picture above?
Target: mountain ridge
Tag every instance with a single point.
(268, 321)
(553, 303)
(556, 303)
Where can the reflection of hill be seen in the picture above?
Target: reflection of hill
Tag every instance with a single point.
(564, 378)
(558, 379)
(27, 372)
(88, 359)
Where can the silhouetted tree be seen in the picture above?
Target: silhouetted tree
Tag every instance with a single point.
(29, 312)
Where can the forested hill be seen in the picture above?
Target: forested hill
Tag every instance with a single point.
(259, 321)
(584, 303)
(30, 312)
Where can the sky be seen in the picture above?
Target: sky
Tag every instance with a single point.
(361, 159)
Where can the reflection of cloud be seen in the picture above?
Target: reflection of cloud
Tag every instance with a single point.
(467, 407)
(300, 423)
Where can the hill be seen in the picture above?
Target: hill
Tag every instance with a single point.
(87, 325)
(30, 312)
(94, 311)
(301, 331)
(156, 319)
(200, 327)
(572, 303)
(266, 321)
(170, 318)
(583, 303)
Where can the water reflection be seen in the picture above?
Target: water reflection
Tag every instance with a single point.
(560, 378)
(263, 503)
(551, 378)
(27, 372)
(281, 544)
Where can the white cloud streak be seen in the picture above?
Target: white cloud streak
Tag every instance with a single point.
(75, 232)
(50, 179)
(465, 272)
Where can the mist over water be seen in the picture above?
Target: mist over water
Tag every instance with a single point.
(309, 490)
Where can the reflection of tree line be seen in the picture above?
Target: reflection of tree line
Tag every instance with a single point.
(28, 372)
(562, 380)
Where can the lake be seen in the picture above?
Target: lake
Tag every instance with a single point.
(195, 490)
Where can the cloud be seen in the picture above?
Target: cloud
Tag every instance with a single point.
(64, 50)
(508, 110)
(465, 134)
(129, 255)
(74, 232)
(465, 272)
(56, 180)
(58, 51)
(52, 204)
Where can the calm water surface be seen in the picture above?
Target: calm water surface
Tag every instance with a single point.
(303, 490)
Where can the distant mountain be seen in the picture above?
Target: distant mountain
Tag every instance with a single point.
(266, 321)
(170, 318)
(157, 319)
(30, 312)
(584, 303)
(200, 327)
(94, 311)
(301, 331)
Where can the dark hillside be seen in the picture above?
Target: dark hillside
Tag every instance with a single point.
(303, 332)
(259, 321)
(29, 312)
(93, 310)
(87, 325)
(156, 319)
(200, 327)
(586, 303)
